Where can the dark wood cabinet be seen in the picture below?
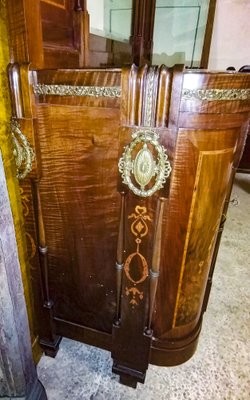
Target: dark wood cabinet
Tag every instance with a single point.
(125, 176)
(131, 177)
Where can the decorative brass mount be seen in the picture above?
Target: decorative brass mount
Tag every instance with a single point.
(23, 152)
(144, 167)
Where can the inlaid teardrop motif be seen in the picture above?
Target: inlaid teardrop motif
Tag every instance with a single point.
(144, 166)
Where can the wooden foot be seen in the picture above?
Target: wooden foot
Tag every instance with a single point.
(128, 380)
(51, 348)
(128, 376)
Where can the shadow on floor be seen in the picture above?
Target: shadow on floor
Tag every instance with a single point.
(243, 182)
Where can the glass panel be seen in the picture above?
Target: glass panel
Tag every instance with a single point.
(179, 31)
(110, 18)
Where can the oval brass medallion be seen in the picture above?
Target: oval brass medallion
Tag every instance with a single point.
(144, 167)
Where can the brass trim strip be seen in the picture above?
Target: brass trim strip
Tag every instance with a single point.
(115, 91)
(70, 90)
(149, 98)
(216, 94)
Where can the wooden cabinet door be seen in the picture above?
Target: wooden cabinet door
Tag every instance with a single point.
(48, 33)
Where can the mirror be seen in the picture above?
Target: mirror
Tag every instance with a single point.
(111, 18)
(179, 32)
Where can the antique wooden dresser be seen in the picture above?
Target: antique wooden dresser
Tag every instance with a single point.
(126, 179)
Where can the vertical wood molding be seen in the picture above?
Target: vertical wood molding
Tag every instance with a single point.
(143, 15)
(208, 35)
(81, 33)
(25, 32)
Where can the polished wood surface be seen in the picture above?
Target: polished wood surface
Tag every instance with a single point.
(48, 34)
(88, 220)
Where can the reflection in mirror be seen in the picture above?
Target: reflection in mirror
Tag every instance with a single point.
(110, 18)
(179, 31)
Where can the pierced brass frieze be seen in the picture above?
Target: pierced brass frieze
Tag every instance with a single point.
(23, 152)
(216, 94)
(70, 90)
(145, 166)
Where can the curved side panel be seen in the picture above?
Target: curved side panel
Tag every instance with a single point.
(211, 133)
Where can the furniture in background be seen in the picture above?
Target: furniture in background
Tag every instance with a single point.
(62, 34)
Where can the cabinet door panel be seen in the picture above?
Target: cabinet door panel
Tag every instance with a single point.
(80, 208)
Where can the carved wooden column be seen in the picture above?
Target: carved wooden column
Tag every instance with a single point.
(81, 31)
(29, 173)
(18, 377)
(142, 30)
(144, 107)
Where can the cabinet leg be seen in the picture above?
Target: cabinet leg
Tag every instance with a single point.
(51, 348)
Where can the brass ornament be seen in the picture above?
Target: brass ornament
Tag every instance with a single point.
(115, 91)
(216, 94)
(70, 90)
(23, 152)
(144, 167)
(150, 98)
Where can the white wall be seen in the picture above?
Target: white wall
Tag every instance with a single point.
(96, 13)
(230, 44)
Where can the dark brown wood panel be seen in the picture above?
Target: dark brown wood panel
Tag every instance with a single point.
(57, 23)
(80, 207)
